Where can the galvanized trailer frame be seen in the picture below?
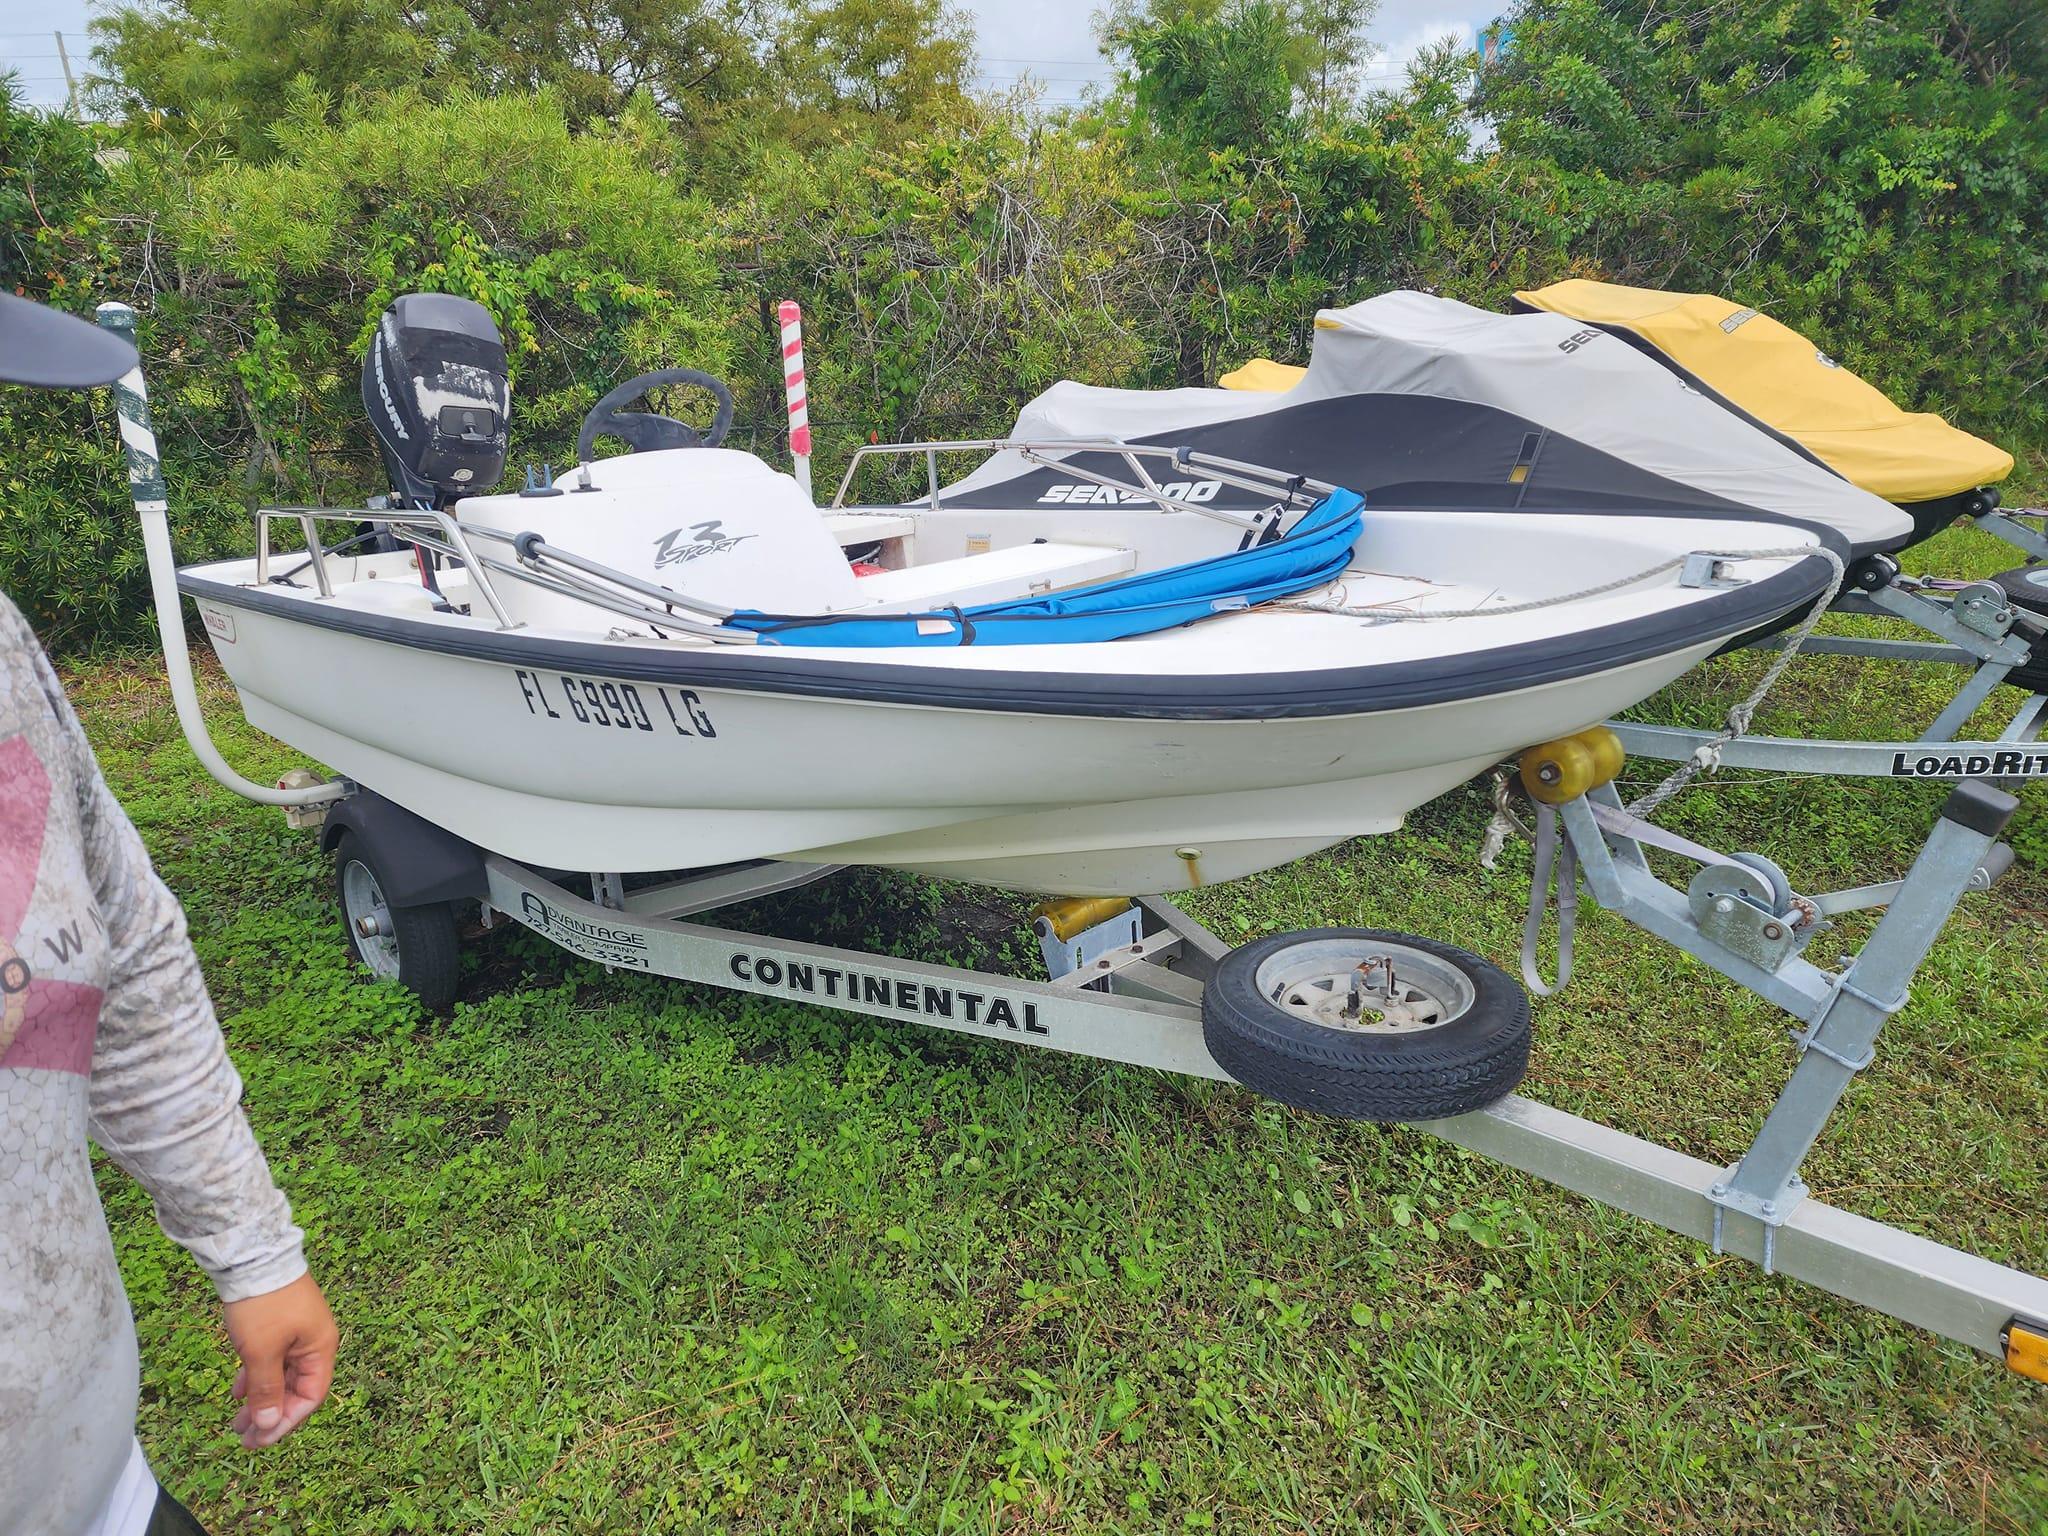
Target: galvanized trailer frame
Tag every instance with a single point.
(1130, 991)
(2025, 528)
(1972, 627)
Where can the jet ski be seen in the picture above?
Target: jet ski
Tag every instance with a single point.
(1428, 401)
(1716, 403)
(1090, 668)
(1781, 383)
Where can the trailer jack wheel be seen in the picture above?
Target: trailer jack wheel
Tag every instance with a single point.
(1367, 1025)
(413, 946)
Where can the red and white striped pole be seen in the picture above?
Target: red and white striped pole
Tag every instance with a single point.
(793, 383)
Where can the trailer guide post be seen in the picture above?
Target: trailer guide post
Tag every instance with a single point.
(797, 392)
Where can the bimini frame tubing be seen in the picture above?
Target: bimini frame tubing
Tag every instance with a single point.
(1138, 1001)
(151, 496)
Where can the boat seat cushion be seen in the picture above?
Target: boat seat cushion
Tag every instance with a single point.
(999, 575)
(716, 525)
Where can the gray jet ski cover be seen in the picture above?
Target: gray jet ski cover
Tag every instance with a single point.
(1579, 380)
(1554, 372)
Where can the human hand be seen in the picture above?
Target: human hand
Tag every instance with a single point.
(286, 1339)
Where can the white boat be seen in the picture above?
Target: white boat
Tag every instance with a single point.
(669, 662)
(1361, 1023)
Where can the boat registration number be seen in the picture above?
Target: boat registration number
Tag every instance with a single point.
(613, 706)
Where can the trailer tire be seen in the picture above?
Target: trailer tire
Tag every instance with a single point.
(2026, 588)
(1453, 1035)
(417, 946)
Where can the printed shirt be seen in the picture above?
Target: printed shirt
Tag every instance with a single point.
(105, 1031)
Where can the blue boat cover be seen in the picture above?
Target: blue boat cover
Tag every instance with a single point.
(1311, 553)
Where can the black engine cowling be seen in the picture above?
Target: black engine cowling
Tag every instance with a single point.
(436, 389)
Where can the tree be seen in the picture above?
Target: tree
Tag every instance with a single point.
(1998, 41)
(905, 60)
(223, 72)
(1867, 172)
(47, 180)
(1213, 77)
(220, 71)
(694, 58)
(1336, 51)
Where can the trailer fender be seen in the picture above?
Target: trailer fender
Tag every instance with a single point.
(419, 862)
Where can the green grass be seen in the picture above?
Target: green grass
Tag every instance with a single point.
(612, 1254)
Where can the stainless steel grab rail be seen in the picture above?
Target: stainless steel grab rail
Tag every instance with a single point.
(567, 574)
(448, 537)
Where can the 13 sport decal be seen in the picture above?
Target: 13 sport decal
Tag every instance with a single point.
(704, 539)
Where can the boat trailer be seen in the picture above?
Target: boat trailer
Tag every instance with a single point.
(1996, 630)
(1127, 982)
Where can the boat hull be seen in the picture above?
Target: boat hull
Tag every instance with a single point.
(584, 770)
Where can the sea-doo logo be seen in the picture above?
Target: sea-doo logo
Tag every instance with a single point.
(2007, 764)
(1736, 321)
(1110, 496)
(1824, 360)
(1577, 340)
(705, 539)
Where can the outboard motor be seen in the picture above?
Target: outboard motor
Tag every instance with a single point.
(435, 385)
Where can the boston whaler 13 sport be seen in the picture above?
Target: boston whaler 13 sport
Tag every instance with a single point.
(667, 662)
(1129, 668)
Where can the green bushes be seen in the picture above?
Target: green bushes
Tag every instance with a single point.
(266, 280)
(1853, 169)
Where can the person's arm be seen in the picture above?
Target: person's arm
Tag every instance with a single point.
(165, 1103)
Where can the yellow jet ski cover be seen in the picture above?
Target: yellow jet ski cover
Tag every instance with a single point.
(1784, 383)
(1263, 376)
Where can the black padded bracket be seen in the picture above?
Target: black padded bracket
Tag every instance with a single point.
(1979, 807)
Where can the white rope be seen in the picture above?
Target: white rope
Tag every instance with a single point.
(1554, 856)
(1706, 758)
(1552, 853)
(1502, 825)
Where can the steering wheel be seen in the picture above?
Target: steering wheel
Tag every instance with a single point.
(645, 432)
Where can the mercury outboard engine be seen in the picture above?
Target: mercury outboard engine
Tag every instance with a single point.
(435, 385)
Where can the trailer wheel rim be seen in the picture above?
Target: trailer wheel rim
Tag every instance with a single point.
(1365, 986)
(368, 917)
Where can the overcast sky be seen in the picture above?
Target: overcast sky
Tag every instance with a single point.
(1051, 41)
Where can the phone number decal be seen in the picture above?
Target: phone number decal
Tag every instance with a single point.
(614, 706)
